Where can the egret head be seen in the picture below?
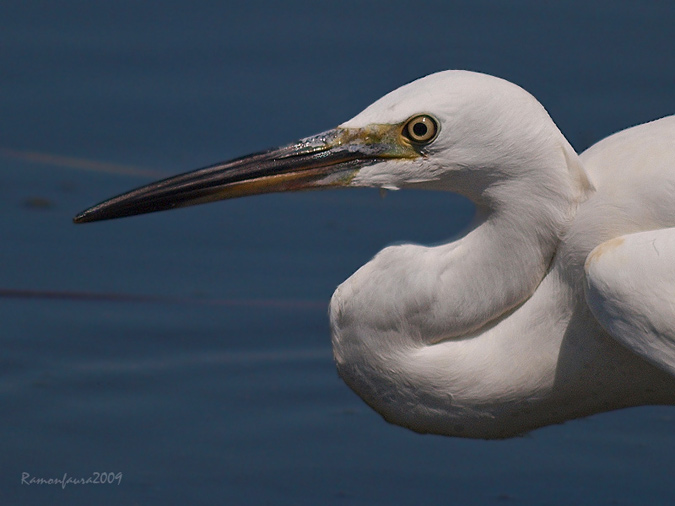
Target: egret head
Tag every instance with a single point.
(482, 130)
(454, 130)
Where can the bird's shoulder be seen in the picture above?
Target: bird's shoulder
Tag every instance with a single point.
(633, 172)
(640, 154)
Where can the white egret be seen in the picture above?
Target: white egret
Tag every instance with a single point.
(559, 303)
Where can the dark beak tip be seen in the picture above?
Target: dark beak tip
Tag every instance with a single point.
(86, 216)
(80, 218)
(93, 214)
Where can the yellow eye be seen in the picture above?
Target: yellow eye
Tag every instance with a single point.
(421, 129)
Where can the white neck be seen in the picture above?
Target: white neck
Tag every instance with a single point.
(453, 290)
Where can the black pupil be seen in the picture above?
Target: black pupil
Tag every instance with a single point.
(420, 129)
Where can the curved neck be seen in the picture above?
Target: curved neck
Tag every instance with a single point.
(390, 318)
(455, 289)
(491, 270)
(500, 263)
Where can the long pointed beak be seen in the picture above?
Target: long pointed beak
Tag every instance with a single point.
(330, 159)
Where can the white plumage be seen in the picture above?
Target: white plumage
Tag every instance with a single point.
(559, 303)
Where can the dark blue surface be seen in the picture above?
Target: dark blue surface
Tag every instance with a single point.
(219, 387)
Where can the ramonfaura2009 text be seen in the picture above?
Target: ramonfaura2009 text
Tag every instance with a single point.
(96, 478)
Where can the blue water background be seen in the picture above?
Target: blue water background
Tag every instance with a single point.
(190, 350)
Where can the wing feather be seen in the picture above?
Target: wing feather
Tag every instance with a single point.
(630, 288)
